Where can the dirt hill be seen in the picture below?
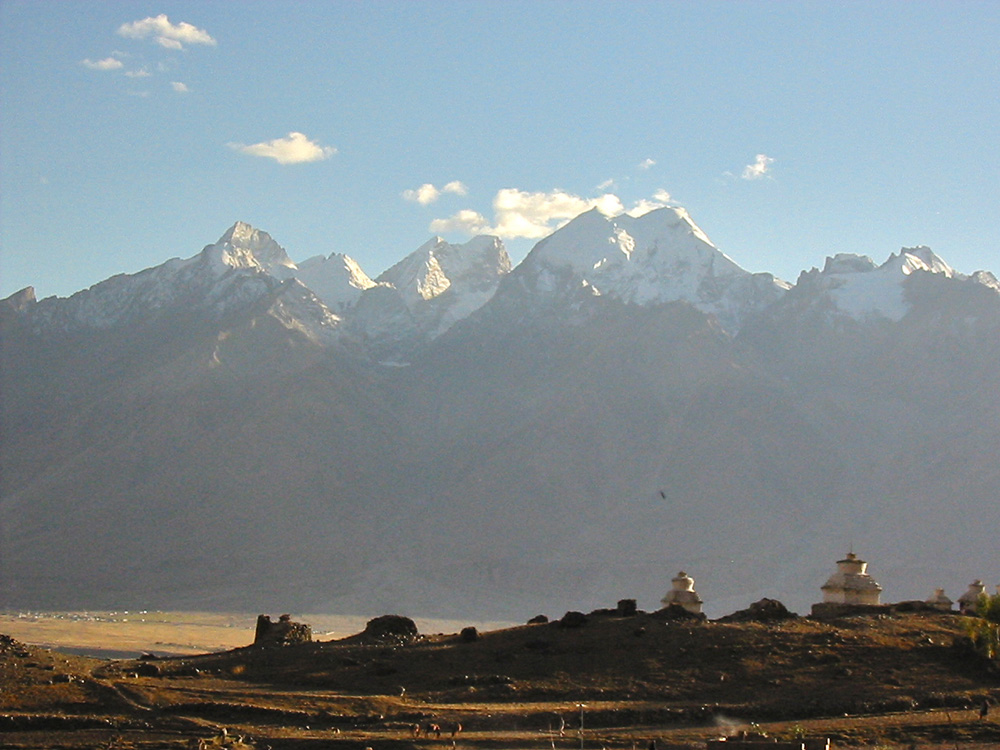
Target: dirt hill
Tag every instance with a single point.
(892, 679)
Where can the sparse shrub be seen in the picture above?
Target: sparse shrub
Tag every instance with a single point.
(984, 630)
(988, 607)
(469, 634)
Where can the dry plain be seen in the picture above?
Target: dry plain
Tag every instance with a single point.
(129, 633)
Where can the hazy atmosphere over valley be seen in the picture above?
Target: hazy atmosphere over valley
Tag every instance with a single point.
(490, 309)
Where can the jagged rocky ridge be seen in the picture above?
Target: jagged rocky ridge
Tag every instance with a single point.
(234, 429)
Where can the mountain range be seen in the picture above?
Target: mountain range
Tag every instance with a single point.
(460, 437)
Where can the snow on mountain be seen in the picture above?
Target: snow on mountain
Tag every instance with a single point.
(298, 309)
(657, 258)
(337, 280)
(854, 286)
(419, 276)
(471, 270)
(244, 267)
(242, 246)
(414, 301)
(432, 288)
(987, 279)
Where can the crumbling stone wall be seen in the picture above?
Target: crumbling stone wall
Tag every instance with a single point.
(282, 632)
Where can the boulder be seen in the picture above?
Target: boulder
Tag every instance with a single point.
(469, 634)
(395, 628)
(573, 619)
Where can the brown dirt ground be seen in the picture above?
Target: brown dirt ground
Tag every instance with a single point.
(888, 682)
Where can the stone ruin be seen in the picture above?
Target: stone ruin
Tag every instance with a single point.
(280, 633)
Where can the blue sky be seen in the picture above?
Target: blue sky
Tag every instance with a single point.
(132, 132)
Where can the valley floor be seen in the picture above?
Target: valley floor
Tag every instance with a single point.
(127, 634)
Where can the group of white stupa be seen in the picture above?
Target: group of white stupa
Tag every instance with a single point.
(851, 585)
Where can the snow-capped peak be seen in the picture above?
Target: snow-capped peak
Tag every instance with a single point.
(242, 246)
(427, 292)
(659, 257)
(921, 258)
(432, 268)
(859, 288)
(244, 266)
(848, 263)
(337, 280)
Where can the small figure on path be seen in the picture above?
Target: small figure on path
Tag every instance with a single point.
(984, 710)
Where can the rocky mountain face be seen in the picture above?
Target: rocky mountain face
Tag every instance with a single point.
(456, 437)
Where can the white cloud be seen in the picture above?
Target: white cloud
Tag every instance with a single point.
(295, 148)
(427, 193)
(180, 88)
(519, 213)
(168, 43)
(108, 63)
(610, 182)
(466, 220)
(642, 206)
(647, 163)
(165, 33)
(423, 195)
(523, 214)
(140, 73)
(760, 168)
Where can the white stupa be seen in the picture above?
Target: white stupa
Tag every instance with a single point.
(683, 594)
(969, 601)
(940, 601)
(851, 584)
